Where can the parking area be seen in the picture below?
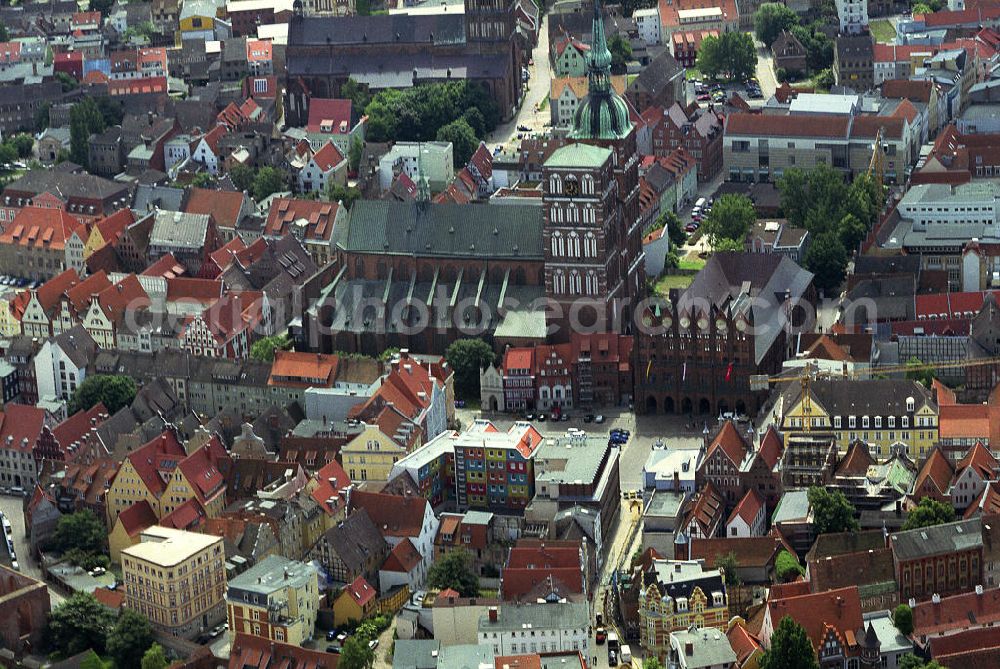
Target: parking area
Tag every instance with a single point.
(18, 282)
(717, 92)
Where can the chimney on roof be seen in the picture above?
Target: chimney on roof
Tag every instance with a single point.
(494, 614)
(936, 598)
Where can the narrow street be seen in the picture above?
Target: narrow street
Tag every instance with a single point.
(11, 507)
(538, 89)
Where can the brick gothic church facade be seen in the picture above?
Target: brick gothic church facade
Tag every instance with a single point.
(592, 235)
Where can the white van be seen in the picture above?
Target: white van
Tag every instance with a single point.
(700, 204)
(625, 657)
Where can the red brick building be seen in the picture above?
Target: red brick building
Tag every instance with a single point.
(686, 45)
(938, 561)
(25, 603)
(697, 130)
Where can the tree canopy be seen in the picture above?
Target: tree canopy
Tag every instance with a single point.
(790, 648)
(242, 177)
(927, 513)
(731, 217)
(263, 349)
(81, 530)
(621, 53)
(463, 140)
(729, 564)
(269, 180)
(902, 618)
(731, 55)
(771, 19)
(417, 113)
(832, 512)
(114, 390)
(79, 623)
(85, 119)
(356, 654)
(911, 661)
(819, 47)
(155, 658)
(454, 570)
(467, 357)
(787, 567)
(924, 376)
(347, 195)
(129, 639)
(827, 259)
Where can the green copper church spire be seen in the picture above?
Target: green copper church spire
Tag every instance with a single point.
(603, 114)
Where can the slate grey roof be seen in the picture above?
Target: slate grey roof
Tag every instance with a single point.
(865, 397)
(662, 69)
(178, 229)
(272, 574)
(356, 540)
(77, 344)
(385, 70)
(382, 29)
(937, 540)
(446, 229)
(416, 654)
(768, 277)
(66, 184)
(561, 616)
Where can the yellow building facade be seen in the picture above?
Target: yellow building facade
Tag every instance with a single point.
(371, 455)
(276, 599)
(176, 579)
(879, 412)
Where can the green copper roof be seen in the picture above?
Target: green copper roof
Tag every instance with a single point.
(603, 114)
(579, 155)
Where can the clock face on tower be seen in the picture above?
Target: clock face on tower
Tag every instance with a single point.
(572, 188)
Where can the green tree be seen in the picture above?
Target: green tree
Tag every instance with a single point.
(454, 570)
(739, 55)
(79, 623)
(851, 231)
(827, 259)
(4, 33)
(269, 180)
(114, 390)
(203, 180)
(242, 177)
(81, 530)
(346, 194)
(155, 658)
(924, 376)
(832, 512)
(902, 618)
(651, 662)
(710, 60)
(467, 357)
(42, 117)
(729, 565)
(356, 93)
(263, 349)
(22, 143)
(787, 567)
(771, 19)
(621, 53)
(824, 79)
(8, 154)
(112, 110)
(675, 231)
(92, 660)
(417, 113)
(354, 152)
(476, 121)
(129, 639)
(921, 8)
(819, 47)
(463, 140)
(356, 654)
(85, 119)
(67, 81)
(790, 648)
(927, 513)
(730, 218)
(722, 245)
(101, 6)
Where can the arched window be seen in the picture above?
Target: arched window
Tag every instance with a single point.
(556, 239)
(573, 245)
(588, 184)
(590, 245)
(555, 184)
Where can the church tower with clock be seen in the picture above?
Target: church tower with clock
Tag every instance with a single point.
(593, 239)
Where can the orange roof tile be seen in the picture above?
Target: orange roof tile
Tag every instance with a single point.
(934, 476)
(839, 609)
(137, 518)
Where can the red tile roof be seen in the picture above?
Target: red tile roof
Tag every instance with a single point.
(328, 157)
(518, 662)
(126, 295)
(748, 508)
(669, 10)
(868, 126)
(187, 516)
(223, 206)
(980, 459)
(81, 294)
(315, 219)
(20, 427)
(156, 460)
(203, 470)
(909, 89)
(76, 427)
(857, 461)
(360, 591)
(205, 291)
(167, 267)
(956, 613)
(744, 644)
(333, 114)
(731, 442)
(771, 447)
(294, 368)
(750, 551)
(806, 125)
(839, 609)
(404, 558)
(970, 649)
(137, 518)
(519, 358)
(113, 599)
(39, 227)
(897, 53)
(395, 516)
(934, 477)
(111, 227)
(707, 511)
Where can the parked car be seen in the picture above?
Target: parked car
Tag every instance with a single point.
(704, 97)
(331, 635)
(524, 128)
(690, 227)
(600, 636)
(541, 418)
(599, 419)
(333, 649)
(373, 644)
(589, 418)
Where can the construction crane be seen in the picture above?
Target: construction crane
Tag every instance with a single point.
(760, 382)
(876, 166)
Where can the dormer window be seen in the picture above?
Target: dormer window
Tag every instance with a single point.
(878, 422)
(864, 422)
(852, 422)
(891, 421)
